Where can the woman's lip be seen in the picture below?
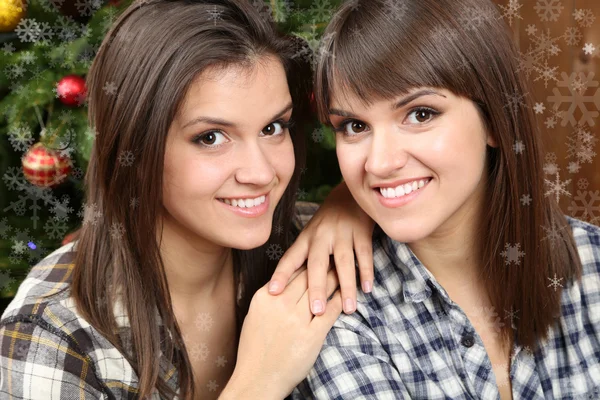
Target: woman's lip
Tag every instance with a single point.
(399, 201)
(251, 212)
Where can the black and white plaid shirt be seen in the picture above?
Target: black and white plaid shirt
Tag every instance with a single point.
(48, 351)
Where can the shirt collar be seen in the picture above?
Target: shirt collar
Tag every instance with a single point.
(417, 283)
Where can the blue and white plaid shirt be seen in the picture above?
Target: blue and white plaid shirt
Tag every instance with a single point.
(407, 339)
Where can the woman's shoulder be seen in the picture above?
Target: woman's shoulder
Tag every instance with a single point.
(49, 348)
(587, 240)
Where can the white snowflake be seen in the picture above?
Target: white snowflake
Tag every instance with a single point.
(539, 108)
(536, 58)
(134, 202)
(587, 210)
(580, 145)
(204, 322)
(518, 147)
(301, 194)
(587, 18)
(573, 36)
(221, 361)
(512, 254)
(110, 88)
(19, 247)
(87, 7)
(573, 167)
(511, 10)
(215, 15)
(199, 352)
(557, 187)
(212, 386)
(395, 8)
(28, 30)
(20, 137)
(555, 282)
(473, 17)
(117, 230)
(90, 214)
(589, 48)
(526, 199)
(282, 10)
(551, 168)
(511, 316)
(274, 252)
(126, 158)
(549, 10)
(487, 318)
(552, 233)
(576, 100)
(321, 10)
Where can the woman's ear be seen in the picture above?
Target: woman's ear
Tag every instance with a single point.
(491, 140)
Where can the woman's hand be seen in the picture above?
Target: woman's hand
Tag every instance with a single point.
(338, 227)
(280, 340)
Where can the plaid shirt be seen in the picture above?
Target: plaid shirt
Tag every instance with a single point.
(409, 340)
(48, 351)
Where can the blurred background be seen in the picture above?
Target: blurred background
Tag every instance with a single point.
(47, 46)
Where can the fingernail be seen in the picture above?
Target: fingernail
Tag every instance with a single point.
(317, 306)
(273, 286)
(349, 306)
(367, 286)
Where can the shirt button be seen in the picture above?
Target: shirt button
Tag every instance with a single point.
(467, 341)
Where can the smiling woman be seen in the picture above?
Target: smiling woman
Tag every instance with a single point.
(471, 298)
(169, 299)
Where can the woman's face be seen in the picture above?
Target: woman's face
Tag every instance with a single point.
(415, 164)
(229, 155)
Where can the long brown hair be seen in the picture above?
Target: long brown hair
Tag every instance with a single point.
(137, 81)
(378, 49)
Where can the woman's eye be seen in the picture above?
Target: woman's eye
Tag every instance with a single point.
(421, 115)
(210, 139)
(352, 128)
(274, 129)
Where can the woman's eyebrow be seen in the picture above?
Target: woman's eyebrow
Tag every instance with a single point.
(222, 122)
(401, 103)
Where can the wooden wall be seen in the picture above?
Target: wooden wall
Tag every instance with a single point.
(566, 85)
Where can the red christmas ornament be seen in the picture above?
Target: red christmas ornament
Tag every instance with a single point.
(45, 167)
(71, 90)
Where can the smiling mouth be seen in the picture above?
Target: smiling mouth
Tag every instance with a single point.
(403, 190)
(245, 203)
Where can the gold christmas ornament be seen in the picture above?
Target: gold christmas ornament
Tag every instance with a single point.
(11, 13)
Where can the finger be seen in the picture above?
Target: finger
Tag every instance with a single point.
(318, 265)
(344, 265)
(331, 285)
(293, 259)
(323, 323)
(363, 248)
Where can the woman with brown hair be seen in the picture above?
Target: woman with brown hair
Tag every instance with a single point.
(472, 297)
(196, 158)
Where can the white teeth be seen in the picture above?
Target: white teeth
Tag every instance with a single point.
(245, 203)
(402, 190)
(399, 191)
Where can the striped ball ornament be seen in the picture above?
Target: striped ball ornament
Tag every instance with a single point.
(45, 167)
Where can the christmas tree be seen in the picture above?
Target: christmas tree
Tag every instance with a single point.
(46, 49)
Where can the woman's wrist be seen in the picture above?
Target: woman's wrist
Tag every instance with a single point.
(246, 389)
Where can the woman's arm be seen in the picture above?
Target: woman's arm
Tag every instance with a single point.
(340, 227)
